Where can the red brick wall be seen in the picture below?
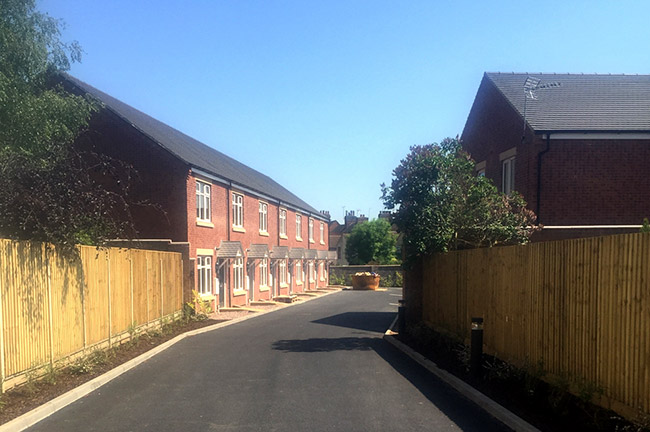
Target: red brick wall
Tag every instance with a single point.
(584, 182)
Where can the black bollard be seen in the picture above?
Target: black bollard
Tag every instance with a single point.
(476, 348)
(401, 317)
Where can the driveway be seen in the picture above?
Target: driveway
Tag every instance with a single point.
(317, 366)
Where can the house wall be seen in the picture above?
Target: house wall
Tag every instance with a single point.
(584, 182)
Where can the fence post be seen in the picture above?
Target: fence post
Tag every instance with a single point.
(2, 333)
(49, 304)
(162, 309)
(110, 318)
(131, 281)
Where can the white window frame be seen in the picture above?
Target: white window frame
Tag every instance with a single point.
(282, 270)
(322, 271)
(322, 233)
(237, 210)
(238, 274)
(311, 230)
(283, 222)
(203, 203)
(480, 169)
(204, 274)
(298, 268)
(264, 217)
(298, 227)
(311, 272)
(264, 272)
(508, 175)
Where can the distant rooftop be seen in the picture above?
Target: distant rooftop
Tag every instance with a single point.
(581, 102)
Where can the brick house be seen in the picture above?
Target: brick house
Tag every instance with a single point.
(580, 145)
(249, 238)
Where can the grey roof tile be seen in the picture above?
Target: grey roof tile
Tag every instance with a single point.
(321, 255)
(311, 254)
(258, 251)
(581, 102)
(230, 249)
(280, 252)
(297, 253)
(195, 153)
(332, 255)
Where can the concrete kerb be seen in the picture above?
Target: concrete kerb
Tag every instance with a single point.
(37, 414)
(497, 411)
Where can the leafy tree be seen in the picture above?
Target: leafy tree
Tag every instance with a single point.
(371, 242)
(49, 191)
(443, 205)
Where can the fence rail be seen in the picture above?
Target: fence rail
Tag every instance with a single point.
(53, 306)
(580, 307)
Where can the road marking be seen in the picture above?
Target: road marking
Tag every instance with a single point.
(396, 295)
(393, 304)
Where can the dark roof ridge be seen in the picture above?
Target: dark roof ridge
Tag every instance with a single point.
(565, 73)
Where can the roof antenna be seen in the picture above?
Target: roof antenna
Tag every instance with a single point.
(531, 86)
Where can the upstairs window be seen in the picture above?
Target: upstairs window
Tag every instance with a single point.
(283, 222)
(322, 233)
(203, 201)
(298, 227)
(311, 230)
(264, 216)
(237, 210)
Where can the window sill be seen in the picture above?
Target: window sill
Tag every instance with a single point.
(264, 233)
(204, 224)
(205, 297)
(238, 229)
(264, 288)
(322, 242)
(239, 292)
(284, 237)
(311, 281)
(284, 285)
(298, 238)
(311, 241)
(298, 282)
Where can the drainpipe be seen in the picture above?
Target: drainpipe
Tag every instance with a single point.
(539, 174)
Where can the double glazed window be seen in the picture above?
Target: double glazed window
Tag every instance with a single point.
(508, 175)
(238, 274)
(264, 216)
(298, 271)
(311, 271)
(283, 222)
(237, 210)
(264, 272)
(311, 230)
(298, 227)
(202, 201)
(322, 233)
(282, 269)
(204, 270)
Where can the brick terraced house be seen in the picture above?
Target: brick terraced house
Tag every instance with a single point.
(249, 238)
(577, 147)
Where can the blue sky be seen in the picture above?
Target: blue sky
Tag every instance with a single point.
(326, 97)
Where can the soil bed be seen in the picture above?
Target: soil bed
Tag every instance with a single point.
(549, 408)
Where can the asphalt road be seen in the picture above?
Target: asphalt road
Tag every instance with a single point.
(317, 366)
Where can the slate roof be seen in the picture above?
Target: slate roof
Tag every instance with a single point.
(332, 255)
(258, 251)
(297, 253)
(321, 254)
(615, 103)
(230, 249)
(280, 252)
(195, 153)
(311, 254)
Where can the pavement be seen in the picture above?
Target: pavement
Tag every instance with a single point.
(321, 365)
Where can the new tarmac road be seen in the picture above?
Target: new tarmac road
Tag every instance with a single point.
(317, 366)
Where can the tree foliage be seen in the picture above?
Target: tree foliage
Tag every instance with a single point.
(443, 205)
(371, 242)
(48, 190)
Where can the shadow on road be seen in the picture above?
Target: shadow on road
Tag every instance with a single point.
(325, 345)
(376, 322)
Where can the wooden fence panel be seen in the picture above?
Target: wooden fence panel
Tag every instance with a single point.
(53, 306)
(578, 307)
